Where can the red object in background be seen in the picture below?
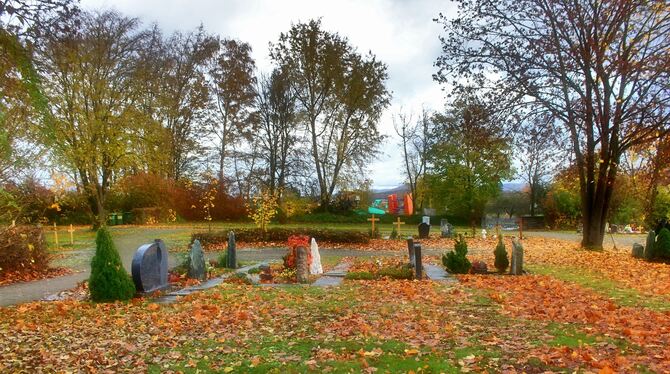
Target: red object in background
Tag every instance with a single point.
(409, 205)
(295, 241)
(393, 204)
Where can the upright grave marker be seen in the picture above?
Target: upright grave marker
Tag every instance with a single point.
(150, 267)
(410, 250)
(418, 263)
(398, 223)
(517, 258)
(71, 231)
(424, 230)
(56, 235)
(232, 251)
(301, 265)
(196, 268)
(373, 220)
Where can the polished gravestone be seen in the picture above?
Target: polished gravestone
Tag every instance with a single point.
(424, 230)
(150, 267)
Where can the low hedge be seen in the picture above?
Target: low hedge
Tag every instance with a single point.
(23, 248)
(277, 234)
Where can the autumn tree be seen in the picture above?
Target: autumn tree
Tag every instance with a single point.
(89, 76)
(233, 86)
(600, 68)
(340, 96)
(470, 158)
(537, 156)
(22, 103)
(277, 128)
(182, 97)
(414, 140)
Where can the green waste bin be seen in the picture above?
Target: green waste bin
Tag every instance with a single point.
(111, 219)
(119, 218)
(127, 218)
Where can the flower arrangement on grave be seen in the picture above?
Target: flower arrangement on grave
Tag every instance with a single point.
(294, 242)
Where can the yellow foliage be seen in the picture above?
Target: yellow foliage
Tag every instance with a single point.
(263, 208)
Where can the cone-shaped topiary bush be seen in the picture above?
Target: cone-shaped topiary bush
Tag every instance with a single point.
(649, 246)
(109, 281)
(456, 261)
(502, 261)
(662, 246)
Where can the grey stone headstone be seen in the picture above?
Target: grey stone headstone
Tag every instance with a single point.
(410, 250)
(197, 262)
(302, 267)
(418, 263)
(150, 267)
(649, 245)
(517, 258)
(638, 250)
(232, 251)
(424, 230)
(446, 229)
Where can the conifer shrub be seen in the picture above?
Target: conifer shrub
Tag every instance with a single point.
(501, 261)
(109, 281)
(456, 261)
(394, 234)
(662, 246)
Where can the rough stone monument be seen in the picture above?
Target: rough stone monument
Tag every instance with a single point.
(315, 267)
(232, 252)
(424, 230)
(446, 228)
(196, 268)
(517, 258)
(150, 267)
(638, 250)
(649, 245)
(301, 266)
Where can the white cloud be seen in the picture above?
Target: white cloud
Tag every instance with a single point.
(400, 33)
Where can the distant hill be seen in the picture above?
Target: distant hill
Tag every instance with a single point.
(404, 188)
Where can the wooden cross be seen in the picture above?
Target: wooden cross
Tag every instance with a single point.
(398, 223)
(56, 235)
(71, 231)
(373, 220)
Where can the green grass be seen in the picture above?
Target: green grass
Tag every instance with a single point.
(618, 293)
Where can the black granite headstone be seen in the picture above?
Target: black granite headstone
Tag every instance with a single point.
(424, 230)
(418, 263)
(150, 267)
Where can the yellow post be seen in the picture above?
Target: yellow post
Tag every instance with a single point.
(56, 235)
(373, 220)
(398, 223)
(71, 231)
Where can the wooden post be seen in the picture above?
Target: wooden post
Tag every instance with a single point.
(520, 227)
(56, 235)
(373, 220)
(71, 231)
(398, 223)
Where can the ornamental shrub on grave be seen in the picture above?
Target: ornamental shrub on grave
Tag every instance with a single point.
(109, 281)
(456, 261)
(501, 261)
(293, 243)
(662, 246)
(394, 234)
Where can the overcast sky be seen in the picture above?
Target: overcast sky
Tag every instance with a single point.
(400, 32)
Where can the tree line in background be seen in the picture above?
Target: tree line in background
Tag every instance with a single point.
(112, 107)
(575, 94)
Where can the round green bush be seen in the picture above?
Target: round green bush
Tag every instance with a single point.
(501, 261)
(109, 281)
(662, 246)
(456, 261)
